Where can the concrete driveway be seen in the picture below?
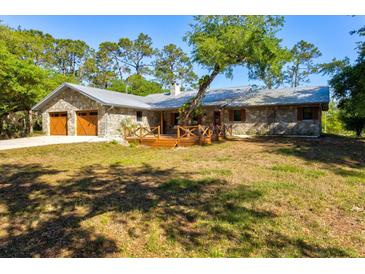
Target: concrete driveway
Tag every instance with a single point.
(47, 140)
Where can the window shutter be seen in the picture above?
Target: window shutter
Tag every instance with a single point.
(315, 113)
(299, 113)
(243, 115)
(231, 115)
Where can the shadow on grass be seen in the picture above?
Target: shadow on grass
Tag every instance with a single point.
(329, 150)
(45, 220)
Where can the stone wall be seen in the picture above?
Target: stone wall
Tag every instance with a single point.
(109, 118)
(262, 121)
(274, 121)
(71, 101)
(114, 117)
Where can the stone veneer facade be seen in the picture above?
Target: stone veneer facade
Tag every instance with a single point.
(276, 120)
(109, 118)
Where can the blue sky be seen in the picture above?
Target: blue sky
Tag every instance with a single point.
(329, 33)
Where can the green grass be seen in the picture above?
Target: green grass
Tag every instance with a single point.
(311, 173)
(264, 197)
(218, 172)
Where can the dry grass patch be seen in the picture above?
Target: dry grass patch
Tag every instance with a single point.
(263, 197)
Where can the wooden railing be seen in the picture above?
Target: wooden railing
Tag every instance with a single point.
(182, 132)
(198, 131)
(142, 132)
(222, 130)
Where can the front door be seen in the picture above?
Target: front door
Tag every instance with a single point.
(217, 118)
(87, 123)
(58, 123)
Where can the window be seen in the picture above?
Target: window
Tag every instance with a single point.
(217, 118)
(307, 113)
(237, 115)
(139, 116)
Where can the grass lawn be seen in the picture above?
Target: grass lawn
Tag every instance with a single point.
(263, 197)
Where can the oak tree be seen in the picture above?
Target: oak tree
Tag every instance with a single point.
(219, 43)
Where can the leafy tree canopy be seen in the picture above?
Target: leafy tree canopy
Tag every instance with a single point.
(271, 61)
(174, 66)
(349, 88)
(136, 84)
(302, 64)
(22, 84)
(220, 43)
(134, 53)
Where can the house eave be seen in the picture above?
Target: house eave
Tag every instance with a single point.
(38, 106)
(274, 105)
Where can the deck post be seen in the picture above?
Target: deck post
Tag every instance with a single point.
(178, 132)
(158, 132)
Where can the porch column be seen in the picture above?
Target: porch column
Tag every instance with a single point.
(221, 113)
(161, 122)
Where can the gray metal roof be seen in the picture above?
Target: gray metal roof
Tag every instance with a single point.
(103, 96)
(213, 97)
(228, 97)
(283, 96)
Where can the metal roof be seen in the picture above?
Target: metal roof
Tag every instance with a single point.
(103, 96)
(213, 97)
(283, 96)
(228, 97)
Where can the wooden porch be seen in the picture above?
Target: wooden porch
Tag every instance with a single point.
(185, 136)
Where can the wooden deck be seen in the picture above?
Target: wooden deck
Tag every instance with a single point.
(186, 136)
(165, 141)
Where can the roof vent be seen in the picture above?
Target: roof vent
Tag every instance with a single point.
(175, 90)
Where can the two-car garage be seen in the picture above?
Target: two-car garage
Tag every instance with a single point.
(86, 123)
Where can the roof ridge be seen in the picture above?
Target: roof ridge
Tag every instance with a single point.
(102, 89)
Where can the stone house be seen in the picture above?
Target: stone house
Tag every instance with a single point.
(78, 110)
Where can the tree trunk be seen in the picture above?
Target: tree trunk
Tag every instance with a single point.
(30, 122)
(208, 79)
(358, 132)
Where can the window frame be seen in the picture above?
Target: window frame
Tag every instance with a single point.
(139, 116)
(233, 114)
(238, 113)
(308, 111)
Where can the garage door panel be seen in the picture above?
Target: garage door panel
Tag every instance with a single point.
(87, 122)
(58, 123)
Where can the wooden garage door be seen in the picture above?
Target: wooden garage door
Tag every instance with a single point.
(87, 123)
(58, 123)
